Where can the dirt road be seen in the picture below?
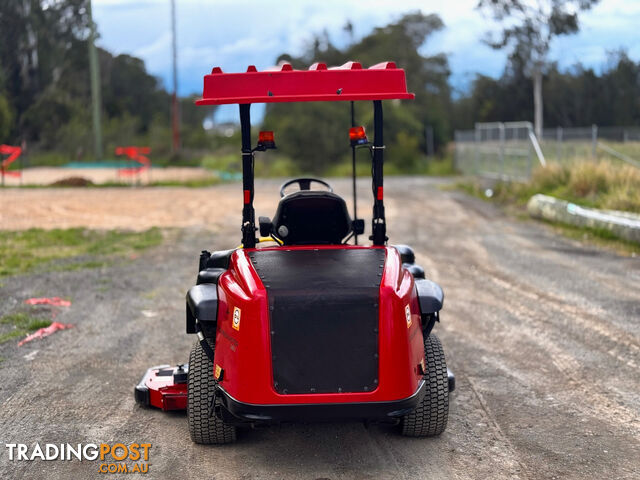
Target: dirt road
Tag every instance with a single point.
(542, 333)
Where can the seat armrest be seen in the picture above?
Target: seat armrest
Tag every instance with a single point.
(202, 306)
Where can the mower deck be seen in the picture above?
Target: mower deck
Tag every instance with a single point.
(163, 387)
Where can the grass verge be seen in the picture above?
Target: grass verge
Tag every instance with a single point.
(603, 185)
(595, 236)
(21, 324)
(36, 249)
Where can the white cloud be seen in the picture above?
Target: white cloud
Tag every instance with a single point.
(235, 33)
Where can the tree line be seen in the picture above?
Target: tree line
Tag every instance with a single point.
(45, 94)
(575, 97)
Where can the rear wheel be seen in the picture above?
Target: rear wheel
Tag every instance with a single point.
(430, 416)
(204, 428)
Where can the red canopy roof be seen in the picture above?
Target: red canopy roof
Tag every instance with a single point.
(318, 84)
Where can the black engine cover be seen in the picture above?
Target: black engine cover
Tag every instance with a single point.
(323, 306)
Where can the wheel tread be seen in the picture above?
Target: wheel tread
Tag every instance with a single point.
(203, 428)
(431, 415)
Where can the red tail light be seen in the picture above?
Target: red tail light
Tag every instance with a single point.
(357, 136)
(266, 137)
(266, 141)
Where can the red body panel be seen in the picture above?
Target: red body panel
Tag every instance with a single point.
(244, 353)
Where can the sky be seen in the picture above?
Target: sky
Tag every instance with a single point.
(235, 33)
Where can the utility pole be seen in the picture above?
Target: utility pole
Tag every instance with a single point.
(175, 110)
(96, 101)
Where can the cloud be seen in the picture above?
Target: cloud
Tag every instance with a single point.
(235, 33)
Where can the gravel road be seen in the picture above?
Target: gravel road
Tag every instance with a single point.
(543, 334)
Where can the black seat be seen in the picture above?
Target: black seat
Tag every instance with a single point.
(312, 217)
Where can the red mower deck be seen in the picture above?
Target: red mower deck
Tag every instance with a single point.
(164, 387)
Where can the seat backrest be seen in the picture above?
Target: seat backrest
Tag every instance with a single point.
(312, 217)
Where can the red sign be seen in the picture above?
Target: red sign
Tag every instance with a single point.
(14, 153)
(137, 154)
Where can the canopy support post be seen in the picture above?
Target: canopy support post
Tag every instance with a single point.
(379, 226)
(353, 161)
(248, 213)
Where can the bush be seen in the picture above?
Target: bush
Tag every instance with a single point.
(551, 178)
(6, 118)
(45, 159)
(590, 179)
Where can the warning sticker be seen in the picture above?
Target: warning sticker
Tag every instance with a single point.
(407, 313)
(217, 372)
(236, 318)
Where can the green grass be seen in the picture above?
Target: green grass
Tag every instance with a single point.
(21, 324)
(229, 162)
(569, 151)
(438, 166)
(603, 184)
(67, 249)
(24, 321)
(229, 166)
(5, 337)
(441, 166)
(345, 169)
(273, 164)
(48, 159)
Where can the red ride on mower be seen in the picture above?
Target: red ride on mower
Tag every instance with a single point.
(310, 328)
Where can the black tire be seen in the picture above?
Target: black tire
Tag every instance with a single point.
(430, 416)
(204, 429)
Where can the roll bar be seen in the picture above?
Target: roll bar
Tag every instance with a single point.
(349, 82)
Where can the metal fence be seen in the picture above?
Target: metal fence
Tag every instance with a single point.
(510, 150)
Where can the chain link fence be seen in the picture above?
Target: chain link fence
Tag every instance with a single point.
(510, 150)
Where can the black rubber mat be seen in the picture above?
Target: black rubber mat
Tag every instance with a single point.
(324, 317)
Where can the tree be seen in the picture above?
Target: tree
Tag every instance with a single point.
(44, 85)
(36, 40)
(574, 97)
(315, 134)
(6, 119)
(530, 27)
